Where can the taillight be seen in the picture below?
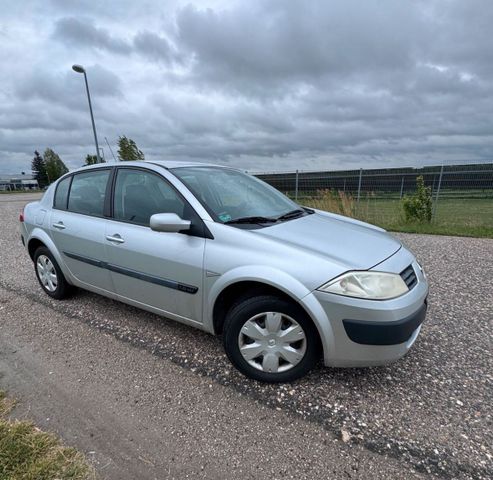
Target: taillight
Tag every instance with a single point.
(21, 216)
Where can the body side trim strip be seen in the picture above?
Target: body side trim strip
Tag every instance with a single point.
(182, 287)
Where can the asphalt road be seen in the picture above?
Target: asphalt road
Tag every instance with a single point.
(145, 397)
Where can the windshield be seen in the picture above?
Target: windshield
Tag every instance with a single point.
(229, 195)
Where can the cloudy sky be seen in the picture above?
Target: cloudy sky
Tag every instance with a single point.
(259, 84)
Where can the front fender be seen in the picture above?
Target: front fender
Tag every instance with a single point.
(280, 280)
(258, 273)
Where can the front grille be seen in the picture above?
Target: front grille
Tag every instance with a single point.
(409, 277)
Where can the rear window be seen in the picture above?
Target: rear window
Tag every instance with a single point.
(87, 192)
(61, 193)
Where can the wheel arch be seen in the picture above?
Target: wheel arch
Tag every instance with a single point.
(33, 245)
(226, 293)
(238, 291)
(39, 238)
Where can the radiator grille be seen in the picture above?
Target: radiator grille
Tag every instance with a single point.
(409, 277)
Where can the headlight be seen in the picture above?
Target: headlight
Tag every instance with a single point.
(370, 285)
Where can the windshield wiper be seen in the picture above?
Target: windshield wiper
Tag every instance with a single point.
(292, 214)
(251, 220)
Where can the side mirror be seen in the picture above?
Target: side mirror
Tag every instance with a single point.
(169, 222)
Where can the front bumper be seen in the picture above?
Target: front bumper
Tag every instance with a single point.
(358, 332)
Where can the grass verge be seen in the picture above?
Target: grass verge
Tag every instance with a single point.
(471, 217)
(27, 453)
(476, 231)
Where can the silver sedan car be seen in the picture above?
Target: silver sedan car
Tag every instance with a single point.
(220, 250)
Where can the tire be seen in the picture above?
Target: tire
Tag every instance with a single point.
(284, 354)
(50, 276)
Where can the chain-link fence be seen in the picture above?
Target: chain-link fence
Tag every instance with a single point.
(462, 195)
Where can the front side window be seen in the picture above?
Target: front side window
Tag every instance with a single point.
(87, 192)
(61, 193)
(139, 194)
(230, 194)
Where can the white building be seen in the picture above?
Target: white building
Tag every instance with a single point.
(18, 182)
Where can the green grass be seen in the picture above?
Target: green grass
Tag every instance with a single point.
(472, 217)
(27, 453)
(432, 229)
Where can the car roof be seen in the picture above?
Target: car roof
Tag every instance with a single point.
(178, 164)
(168, 164)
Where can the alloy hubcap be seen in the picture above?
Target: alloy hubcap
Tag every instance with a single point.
(46, 273)
(272, 342)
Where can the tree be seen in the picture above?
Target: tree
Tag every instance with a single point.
(55, 167)
(418, 206)
(128, 150)
(92, 160)
(38, 166)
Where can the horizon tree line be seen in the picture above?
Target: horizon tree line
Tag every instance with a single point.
(49, 167)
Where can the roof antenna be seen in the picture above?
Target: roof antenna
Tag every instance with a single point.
(109, 146)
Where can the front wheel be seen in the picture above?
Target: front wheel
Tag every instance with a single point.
(270, 339)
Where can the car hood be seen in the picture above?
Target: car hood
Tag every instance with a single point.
(351, 244)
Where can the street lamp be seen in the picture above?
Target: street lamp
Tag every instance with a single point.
(80, 69)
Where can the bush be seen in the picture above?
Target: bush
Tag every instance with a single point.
(417, 208)
(333, 201)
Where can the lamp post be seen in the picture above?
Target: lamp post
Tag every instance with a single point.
(81, 69)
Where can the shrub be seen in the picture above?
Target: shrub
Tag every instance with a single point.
(333, 201)
(417, 207)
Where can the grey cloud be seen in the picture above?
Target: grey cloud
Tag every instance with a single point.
(84, 33)
(272, 85)
(122, 10)
(154, 47)
(463, 35)
(299, 40)
(30, 117)
(67, 88)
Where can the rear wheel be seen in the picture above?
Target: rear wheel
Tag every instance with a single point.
(49, 274)
(270, 339)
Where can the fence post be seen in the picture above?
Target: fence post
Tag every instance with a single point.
(296, 187)
(437, 193)
(402, 186)
(359, 183)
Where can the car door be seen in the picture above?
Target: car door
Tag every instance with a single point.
(78, 226)
(161, 270)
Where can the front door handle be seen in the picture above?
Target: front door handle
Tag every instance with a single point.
(115, 238)
(59, 225)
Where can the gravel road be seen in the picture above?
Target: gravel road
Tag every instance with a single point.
(145, 397)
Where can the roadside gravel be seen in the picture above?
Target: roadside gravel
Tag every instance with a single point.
(139, 416)
(430, 411)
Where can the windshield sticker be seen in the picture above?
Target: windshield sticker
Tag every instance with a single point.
(225, 217)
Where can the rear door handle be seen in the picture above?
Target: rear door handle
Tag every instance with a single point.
(115, 238)
(59, 225)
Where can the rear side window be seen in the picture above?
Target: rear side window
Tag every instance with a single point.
(61, 194)
(87, 192)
